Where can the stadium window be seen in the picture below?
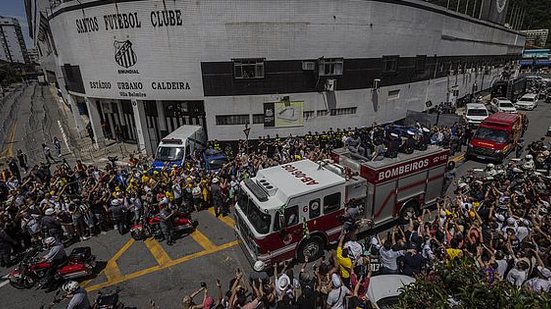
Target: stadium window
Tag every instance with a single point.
(390, 64)
(248, 68)
(394, 94)
(308, 114)
(420, 62)
(322, 112)
(230, 120)
(258, 118)
(330, 66)
(343, 111)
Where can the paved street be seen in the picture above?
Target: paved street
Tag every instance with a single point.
(145, 271)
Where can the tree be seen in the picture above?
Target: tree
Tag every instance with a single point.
(461, 282)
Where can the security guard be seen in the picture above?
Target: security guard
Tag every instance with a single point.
(409, 144)
(393, 145)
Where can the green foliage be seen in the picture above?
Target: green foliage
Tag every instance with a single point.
(462, 281)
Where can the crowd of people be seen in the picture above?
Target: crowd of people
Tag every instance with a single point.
(499, 219)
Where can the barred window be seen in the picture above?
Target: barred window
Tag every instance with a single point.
(343, 111)
(390, 64)
(308, 114)
(323, 112)
(248, 68)
(226, 120)
(420, 62)
(331, 67)
(258, 118)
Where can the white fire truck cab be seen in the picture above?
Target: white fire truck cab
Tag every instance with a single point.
(295, 210)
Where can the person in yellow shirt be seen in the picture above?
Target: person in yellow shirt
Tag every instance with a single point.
(344, 262)
(453, 251)
(145, 178)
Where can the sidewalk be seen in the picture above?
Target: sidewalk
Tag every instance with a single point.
(83, 149)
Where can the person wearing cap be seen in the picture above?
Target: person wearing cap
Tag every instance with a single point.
(409, 144)
(52, 224)
(117, 210)
(335, 298)
(393, 145)
(216, 197)
(413, 260)
(165, 223)
(56, 256)
(77, 294)
(343, 261)
(542, 282)
(259, 272)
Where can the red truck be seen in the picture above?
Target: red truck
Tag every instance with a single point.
(292, 210)
(496, 137)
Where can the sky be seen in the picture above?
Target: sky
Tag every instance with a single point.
(16, 8)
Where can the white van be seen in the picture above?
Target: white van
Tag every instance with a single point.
(179, 145)
(476, 113)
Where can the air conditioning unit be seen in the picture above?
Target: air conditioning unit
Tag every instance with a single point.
(330, 85)
(308, 65)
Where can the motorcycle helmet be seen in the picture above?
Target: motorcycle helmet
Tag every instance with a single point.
(49, 212)
(115, 202)
(490, 166)
(529, 157)
(70, 286)
(164, 201)
(49, 241)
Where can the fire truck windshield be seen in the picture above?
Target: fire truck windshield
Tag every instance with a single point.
(259, 220)
(498, 136)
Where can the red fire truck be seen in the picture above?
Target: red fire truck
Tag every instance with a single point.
(293, 210)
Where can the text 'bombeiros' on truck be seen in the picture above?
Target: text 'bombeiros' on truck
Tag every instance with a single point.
(295, 210)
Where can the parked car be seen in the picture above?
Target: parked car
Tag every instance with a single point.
(214, 159)
(476, 113)
(502, 105)
(528, 102)
(384, 290)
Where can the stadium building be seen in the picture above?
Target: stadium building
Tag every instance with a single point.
(284, 67)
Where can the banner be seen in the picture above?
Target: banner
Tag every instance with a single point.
(284, 114)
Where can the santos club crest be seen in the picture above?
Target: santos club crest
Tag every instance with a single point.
(124, 54)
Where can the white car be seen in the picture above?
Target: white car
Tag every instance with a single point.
(503, 105)
(476, 113)
(527, 102)
(384, 290)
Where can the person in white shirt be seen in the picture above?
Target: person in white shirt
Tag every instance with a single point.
(388, 258)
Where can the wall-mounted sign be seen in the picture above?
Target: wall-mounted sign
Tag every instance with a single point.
(284, 114)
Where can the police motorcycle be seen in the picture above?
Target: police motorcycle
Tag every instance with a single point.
(149, 224)
(32, 269)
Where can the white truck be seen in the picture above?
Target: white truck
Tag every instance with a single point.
(292, 210)
(179, 145)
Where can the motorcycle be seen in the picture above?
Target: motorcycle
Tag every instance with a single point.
(150, 225)
(32, 269)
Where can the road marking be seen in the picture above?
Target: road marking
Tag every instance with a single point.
(228, 220)
(458, 158)
(155, 268)
(157, 251)
(4, 283)
(201, 239)
(112, 270)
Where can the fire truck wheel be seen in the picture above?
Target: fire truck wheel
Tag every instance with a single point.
(311, 248)
(408, 211)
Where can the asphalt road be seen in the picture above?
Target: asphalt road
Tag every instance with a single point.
(146, 271)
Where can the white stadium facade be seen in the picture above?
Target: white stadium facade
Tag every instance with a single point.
(280, 67)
